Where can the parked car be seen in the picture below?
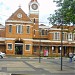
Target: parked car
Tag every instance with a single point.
(2, 54)
(74, 57)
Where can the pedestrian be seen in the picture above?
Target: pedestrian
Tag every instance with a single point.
(70, 56)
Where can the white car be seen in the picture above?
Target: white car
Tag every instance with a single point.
(2, 54)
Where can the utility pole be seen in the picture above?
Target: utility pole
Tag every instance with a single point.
(61, 44)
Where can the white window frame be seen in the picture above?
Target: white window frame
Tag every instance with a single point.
(28, 30)
(56, 36)
(69, 36)
(64, 36)
(74, 36)
(43, 32)
(29, 47)
(8, 46)
(19, 29)
(10, 28)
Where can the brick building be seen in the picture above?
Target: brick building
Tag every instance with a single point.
(22, 36)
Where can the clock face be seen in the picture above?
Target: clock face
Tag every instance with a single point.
(19, 15)
(34, 6)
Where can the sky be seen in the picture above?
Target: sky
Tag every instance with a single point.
(7, 7)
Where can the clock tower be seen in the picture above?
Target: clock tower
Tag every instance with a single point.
(33, 7)
(34, 16)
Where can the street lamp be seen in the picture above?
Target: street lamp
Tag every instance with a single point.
(61, 43)
(61, 26)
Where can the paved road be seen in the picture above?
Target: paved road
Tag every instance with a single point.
(31, 66)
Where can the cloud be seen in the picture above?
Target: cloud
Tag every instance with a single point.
(7, 7)
(1, 3)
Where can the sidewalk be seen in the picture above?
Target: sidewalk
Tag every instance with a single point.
(3, 73)
(29, 67)
(8, 56)
(53, 67)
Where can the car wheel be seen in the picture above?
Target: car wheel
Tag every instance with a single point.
(1, 57)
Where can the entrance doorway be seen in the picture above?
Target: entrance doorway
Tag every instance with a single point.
(19, 47)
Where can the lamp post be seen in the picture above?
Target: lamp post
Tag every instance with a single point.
(39, 52)
(61, 44)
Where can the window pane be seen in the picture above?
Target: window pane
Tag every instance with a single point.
(74, 36)
(69, 36)
(64, 36)
(42, 32)
(10, 28)
(46, 32)
(56, 36)
(27, 47)
(19, 28)
(9, 46)
(28, 29)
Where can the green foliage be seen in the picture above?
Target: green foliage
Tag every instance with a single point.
(64, 14)
(16, 50)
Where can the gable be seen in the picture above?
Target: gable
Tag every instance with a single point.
(19, 15)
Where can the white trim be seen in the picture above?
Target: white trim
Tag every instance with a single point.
(10, 24)
(2, 39)
(28, 44)
(34, 12)
(10, 38)
(35, 40)
(19, 24)
(28, 39)
(27, 25)
(56, 37)
(41, 40)
(19, 21)
(19, 43)
(57, 29)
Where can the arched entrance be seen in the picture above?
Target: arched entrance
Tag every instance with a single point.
(19, 47)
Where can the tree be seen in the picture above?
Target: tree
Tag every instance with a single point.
(64, 14)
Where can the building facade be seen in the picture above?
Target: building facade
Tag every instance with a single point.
(22, 35)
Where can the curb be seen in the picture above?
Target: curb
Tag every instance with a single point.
(37, 57)
(32, 57)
